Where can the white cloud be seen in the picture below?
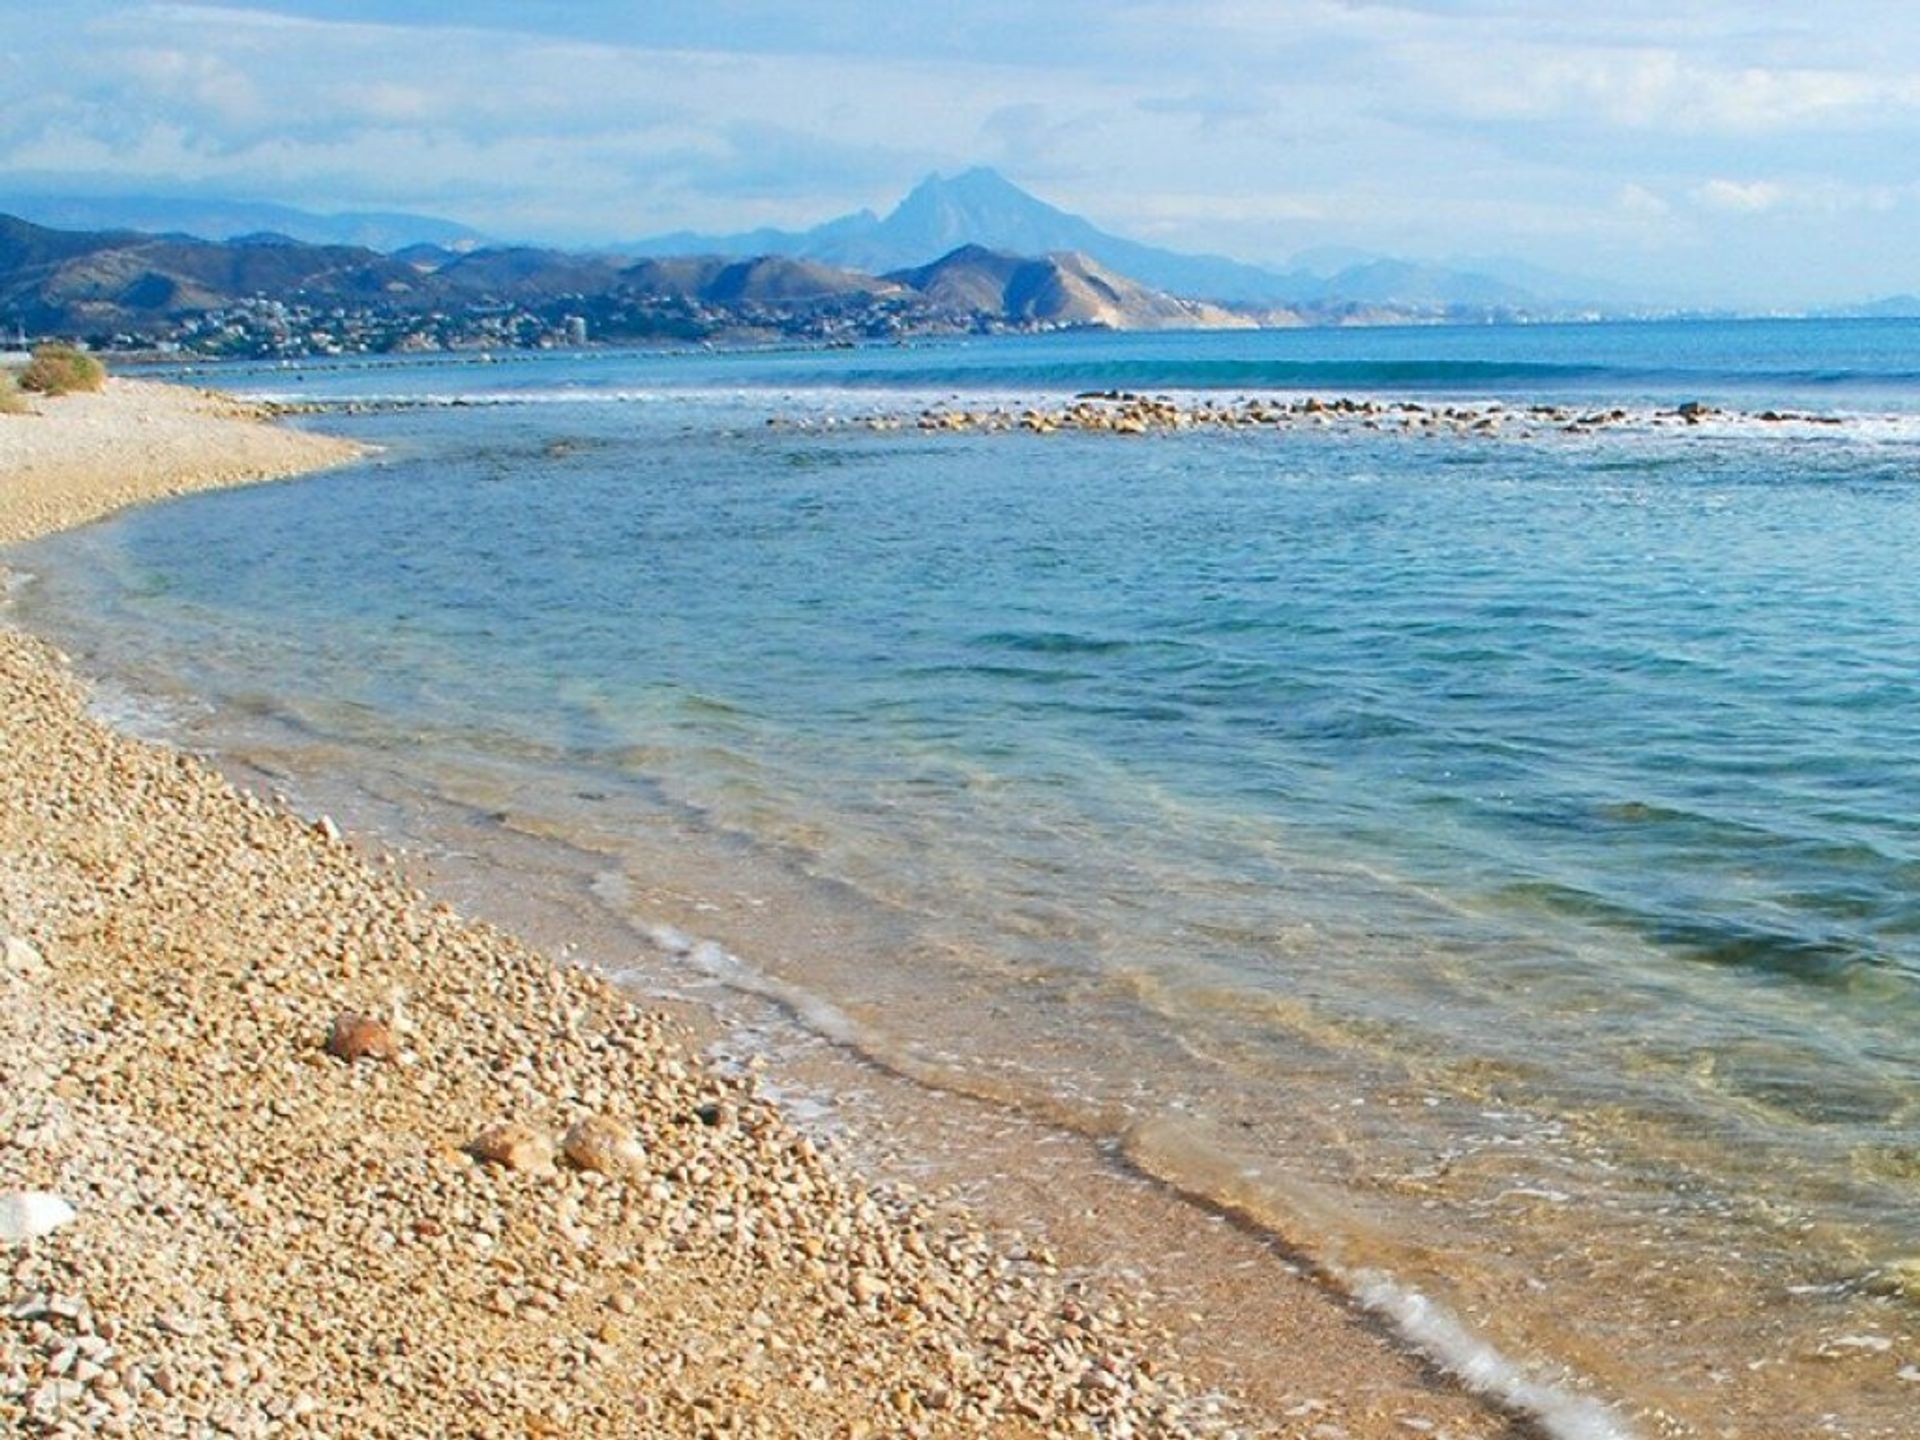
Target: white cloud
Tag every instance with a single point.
(1819, 196)
(1660, 90)
(1638, 200)
(1748, 197)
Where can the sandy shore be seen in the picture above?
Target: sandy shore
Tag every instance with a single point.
(83, 456)
(272, 1239)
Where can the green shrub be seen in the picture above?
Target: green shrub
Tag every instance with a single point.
(60, 370)
(12, 402)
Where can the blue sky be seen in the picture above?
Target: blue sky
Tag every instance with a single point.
(1752, 153)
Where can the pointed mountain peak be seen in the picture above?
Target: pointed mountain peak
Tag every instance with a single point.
(980, 180)
(980, 194)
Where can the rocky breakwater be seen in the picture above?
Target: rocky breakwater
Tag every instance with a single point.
(341, 1163)
(1120, 412)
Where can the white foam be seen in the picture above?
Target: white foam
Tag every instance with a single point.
(719, 963)
(451, 399)
(1436, 1332)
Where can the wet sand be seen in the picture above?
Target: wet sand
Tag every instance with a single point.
(273, 1239)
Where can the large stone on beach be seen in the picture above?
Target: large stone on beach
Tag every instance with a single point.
(602, 1145)
(29, 1214)
(513, 1145)
(361, 1037)
(17, 957)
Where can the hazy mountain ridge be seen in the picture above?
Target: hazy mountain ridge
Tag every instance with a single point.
(981, 207)
(218, 219)
(939, 215)
(1328, 284)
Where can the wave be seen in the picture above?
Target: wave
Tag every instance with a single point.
(1315, 1229)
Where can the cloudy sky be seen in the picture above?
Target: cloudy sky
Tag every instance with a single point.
(1753, 152)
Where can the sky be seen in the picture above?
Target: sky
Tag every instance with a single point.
(1759, 153)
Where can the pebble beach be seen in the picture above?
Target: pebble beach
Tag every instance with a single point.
(292, 1148)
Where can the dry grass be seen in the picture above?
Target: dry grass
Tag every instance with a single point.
(12, 402)
(62, 370)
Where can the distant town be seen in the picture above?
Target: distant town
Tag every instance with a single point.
(262, 328)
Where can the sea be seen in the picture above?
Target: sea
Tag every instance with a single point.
(1484, 858)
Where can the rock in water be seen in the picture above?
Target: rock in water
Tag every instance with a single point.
(602, 1145)
(29, 1214)
(516, 1146)
(361, 1037)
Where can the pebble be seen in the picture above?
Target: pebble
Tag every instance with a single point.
(18, 957)
(29, 1214)
(514, 1146)
(602, 1146)
(355, 1036)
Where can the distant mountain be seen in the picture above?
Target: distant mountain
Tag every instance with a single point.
(1557, 288)
(1402, 282)
(981, 207)
(522, 272)
(1893, 307)
(763, 280)
(1060, 289)
(235, 219)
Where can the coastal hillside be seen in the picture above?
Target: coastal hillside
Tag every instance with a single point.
(1060, 289)
(83, 283)
(765, 279)
(268, 295)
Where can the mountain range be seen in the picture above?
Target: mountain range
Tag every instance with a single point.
(171, 254)
(941, 214)
(217, 219)
(121, 285)
(983, 207)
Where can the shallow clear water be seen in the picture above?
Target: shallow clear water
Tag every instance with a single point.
(1493, 863)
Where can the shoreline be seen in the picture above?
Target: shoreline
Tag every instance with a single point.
(314, 1249)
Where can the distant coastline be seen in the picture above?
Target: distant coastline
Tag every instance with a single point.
(966, 255)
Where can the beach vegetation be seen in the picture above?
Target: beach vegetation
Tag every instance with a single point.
(12, 402)
(62, 370)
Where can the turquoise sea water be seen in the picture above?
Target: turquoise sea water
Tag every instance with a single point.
(1492, 862)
